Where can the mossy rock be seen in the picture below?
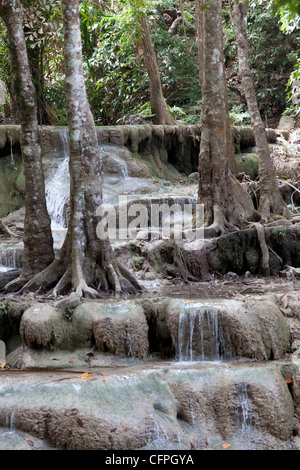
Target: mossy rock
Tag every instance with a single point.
(247, 163)
(12, 185)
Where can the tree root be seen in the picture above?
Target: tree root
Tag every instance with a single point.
(220, 225)
(6, 232)
(57, 280)
(265, 264)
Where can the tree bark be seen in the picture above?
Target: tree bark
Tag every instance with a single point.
(159, 106)
(270, 197)
(85, 264)
(215, 186)
(200, 6)
(199, 14)
(38, 243)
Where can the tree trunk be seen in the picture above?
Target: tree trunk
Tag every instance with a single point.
(270, 197)
(85, 263)
(199, 14)
(200, 6)
(159, 107)
(35, 57)
(38, 243)
(215, 186)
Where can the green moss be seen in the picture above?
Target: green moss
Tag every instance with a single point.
(12, 185)
(247, 163)
(149, 162)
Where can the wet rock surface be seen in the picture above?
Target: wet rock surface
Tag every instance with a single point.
(199, 360)
(162, 406)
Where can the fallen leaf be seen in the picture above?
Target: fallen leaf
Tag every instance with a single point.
(126, 429)
(192, 446)
(285, 302)
(29, 442)
(3, 365)
(79, 422)
(226, 445)
(288, 381)
(113, 430)
(86, 376)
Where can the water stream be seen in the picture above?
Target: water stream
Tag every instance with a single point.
(10, 255)
(243, 414)
(200, 337)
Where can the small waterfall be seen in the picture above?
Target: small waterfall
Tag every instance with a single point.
(199, 334)
(10, 423)
(121, 165)
(58, 188)
(243, 416)
(110, 152)
(185, 336)
(10, 256)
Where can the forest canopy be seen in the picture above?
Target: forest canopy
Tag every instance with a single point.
(116, 82)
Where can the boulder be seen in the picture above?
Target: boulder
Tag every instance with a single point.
(286, 122)
(225, 329)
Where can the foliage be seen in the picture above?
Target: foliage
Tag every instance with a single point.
(239, 117)
(271, 69)
(290, 22)
(3, 308)
(292, 5)
(68, 313)
(117, 84)
(117, 81)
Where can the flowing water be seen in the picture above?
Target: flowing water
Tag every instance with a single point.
(10, 255)
(243, 414)
(200, 337)
(57, 188)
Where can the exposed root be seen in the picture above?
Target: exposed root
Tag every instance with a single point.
(220, 225)
(57, 279)
(6, 232)
(15, 285)
(265, 262)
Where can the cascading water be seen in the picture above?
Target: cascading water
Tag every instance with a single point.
(243, 416)
(199, 334)
(10, 256)
(57, 188)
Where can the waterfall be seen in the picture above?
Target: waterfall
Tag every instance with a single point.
(57, 188)
(121, 165)
(10, 423)
(199, 334)
(10, 256)
(185, 336)
(243, 410)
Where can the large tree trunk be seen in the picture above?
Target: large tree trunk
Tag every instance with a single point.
(270, 197)
(200, 6)
(38, 243)
(86, 264)
(215, 183)
(159, 106)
